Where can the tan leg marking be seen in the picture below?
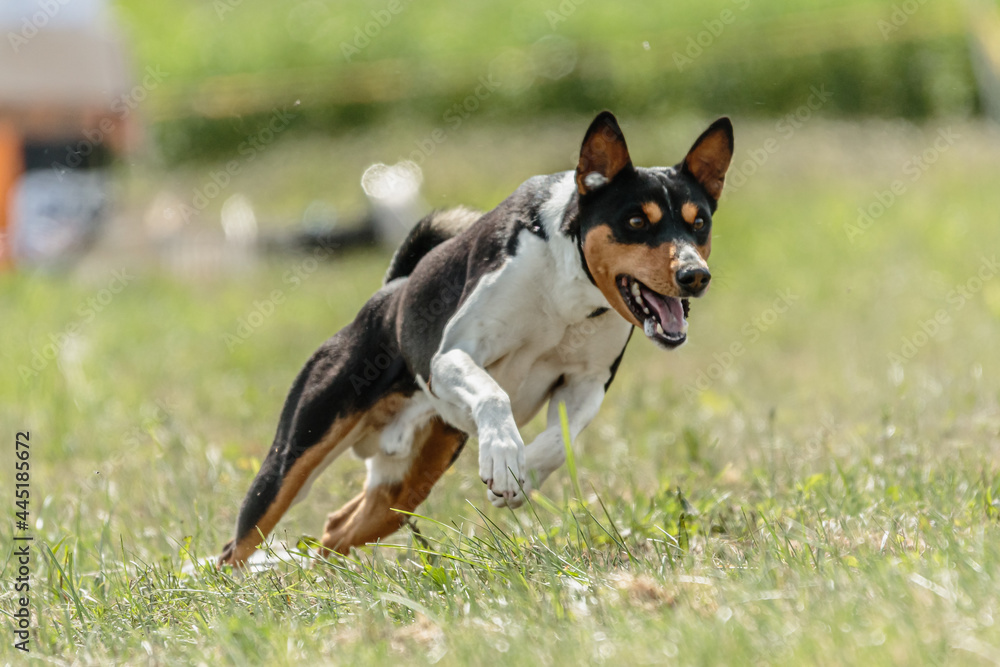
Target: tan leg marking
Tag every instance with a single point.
(369, 516)
(290, 486)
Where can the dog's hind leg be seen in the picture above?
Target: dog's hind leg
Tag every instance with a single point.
(321, 418)
(394, 483)
(283, 480)
(345, 394)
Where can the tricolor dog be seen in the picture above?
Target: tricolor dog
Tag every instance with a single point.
(483, 318)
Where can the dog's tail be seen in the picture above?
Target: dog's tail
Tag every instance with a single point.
(431, 231)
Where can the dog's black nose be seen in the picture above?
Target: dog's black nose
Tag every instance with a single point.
(693, 279)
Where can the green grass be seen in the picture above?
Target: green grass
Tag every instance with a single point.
(812, 504)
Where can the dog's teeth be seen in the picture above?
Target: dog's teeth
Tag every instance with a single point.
(659, 329)
(645, 310)
(635, 291)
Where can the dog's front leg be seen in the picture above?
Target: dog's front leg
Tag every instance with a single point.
(457, 379)
(583, 397)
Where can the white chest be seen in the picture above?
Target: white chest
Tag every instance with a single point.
(529, 323)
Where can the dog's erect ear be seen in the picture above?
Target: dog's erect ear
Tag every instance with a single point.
(709, 158)
(603, 154)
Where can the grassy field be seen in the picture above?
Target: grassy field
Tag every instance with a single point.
(813, 479)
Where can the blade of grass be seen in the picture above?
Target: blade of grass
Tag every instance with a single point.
(570, 458)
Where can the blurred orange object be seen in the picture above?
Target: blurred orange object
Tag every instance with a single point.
(11, 165)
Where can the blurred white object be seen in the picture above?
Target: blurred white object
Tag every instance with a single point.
(239, 221)
(394, 193)
(58, 214)
(239, 224)
(262, 560)
(63, 67)
(20, 14)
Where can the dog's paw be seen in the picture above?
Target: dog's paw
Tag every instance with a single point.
(226, 557)
(501, 466)
(513, 502)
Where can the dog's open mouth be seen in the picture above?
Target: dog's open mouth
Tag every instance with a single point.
(664, 318)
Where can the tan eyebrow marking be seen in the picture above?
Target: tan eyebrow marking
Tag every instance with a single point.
(689, 211)
(652, 211)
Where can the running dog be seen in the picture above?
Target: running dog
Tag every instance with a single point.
(482, 319)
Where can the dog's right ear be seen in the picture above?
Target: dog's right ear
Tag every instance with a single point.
(603, 154)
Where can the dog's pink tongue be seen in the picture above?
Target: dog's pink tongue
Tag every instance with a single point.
(668, 310)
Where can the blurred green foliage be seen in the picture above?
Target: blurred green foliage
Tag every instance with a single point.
(345, 65)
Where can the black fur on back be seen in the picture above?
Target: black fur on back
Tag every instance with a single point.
(431, 231)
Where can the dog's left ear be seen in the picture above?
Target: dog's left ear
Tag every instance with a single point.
(709, 158)
(603, 154)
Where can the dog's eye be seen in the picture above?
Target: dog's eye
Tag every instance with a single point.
(698, 224)
(637, 222)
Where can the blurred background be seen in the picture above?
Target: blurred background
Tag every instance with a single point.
(135, 124)
(197, 193)
(194, 194)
